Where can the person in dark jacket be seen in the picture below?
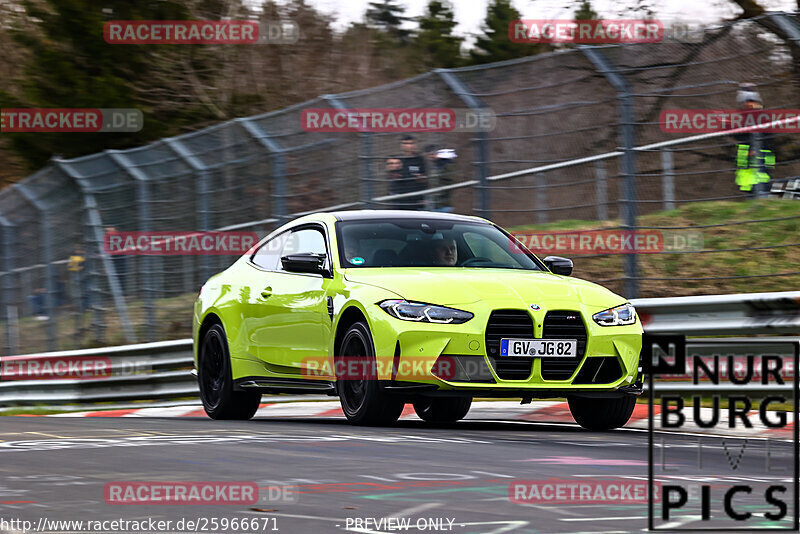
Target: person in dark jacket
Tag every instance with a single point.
(414, 179)
(397, 184)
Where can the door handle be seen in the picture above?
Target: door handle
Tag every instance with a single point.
(266, 292)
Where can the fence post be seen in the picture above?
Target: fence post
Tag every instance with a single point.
(278, 164)
(667, 165)
(788, 24)
(366, 170)
(149, 270)
(541, 197)
(202, 192)
(47, 253)
(628, 167)
(481, 140)
(91, 272)
(365, 143)
(96, 228)
(601, 189)
(203, 217)
(279, 208)
(12, 335)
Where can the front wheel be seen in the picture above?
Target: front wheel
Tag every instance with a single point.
(601, 414)
(364, 402)
(220, 401)
(443, 409)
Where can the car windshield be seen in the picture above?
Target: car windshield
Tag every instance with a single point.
(429, 243)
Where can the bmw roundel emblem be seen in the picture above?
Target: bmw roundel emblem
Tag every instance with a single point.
(535, 307)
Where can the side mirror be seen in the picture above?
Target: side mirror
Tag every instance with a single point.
(304, 263)
(559, 265)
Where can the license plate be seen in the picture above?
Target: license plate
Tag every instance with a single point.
(539, 348)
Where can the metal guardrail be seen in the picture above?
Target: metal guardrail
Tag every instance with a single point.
(722, 315)
(144, 371)
(163, 370)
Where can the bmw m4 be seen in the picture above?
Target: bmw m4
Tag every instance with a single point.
(385, 308)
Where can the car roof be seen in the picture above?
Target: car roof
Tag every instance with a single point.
(366, 215)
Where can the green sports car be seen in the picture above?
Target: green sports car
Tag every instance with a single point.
(384, 308)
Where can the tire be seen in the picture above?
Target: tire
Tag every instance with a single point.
(220, 401)
(364, 402)
(443, 409)
(601, 414)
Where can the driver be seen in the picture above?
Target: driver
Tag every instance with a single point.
(445, 252)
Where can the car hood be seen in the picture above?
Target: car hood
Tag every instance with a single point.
(453, 285)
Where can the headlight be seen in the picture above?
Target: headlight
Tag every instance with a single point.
(425, 313)
(617, 316)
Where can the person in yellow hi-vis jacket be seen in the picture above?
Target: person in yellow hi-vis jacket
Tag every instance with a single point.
(79, 282)
(754, 156)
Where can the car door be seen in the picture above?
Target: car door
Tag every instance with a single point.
(295, 327)
(256, 290)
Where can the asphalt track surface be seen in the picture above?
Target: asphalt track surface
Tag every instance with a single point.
(329, 472)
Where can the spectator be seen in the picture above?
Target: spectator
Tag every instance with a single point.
(754, 156)
(37, 304)
(76, 260)
(413, 172)
(439, 175)
(38, 300)
(120, 264)
(397, 182)
(77, 278)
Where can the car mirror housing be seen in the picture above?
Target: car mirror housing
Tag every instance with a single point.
(304, 263)
(559, 265)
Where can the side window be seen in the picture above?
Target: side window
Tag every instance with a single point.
(268, 255)
(305, 241)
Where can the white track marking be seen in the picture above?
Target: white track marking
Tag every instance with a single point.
(414, 509)
(682, 520)
(621, 518)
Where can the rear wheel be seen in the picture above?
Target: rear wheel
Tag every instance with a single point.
(601, 413)
(220, 401)
(443, 409)
(364, 402)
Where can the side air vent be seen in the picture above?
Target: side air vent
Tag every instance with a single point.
(603, 370)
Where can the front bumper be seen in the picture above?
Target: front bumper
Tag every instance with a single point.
(455, 358)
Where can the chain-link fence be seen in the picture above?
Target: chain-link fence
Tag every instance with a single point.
(577, 136)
